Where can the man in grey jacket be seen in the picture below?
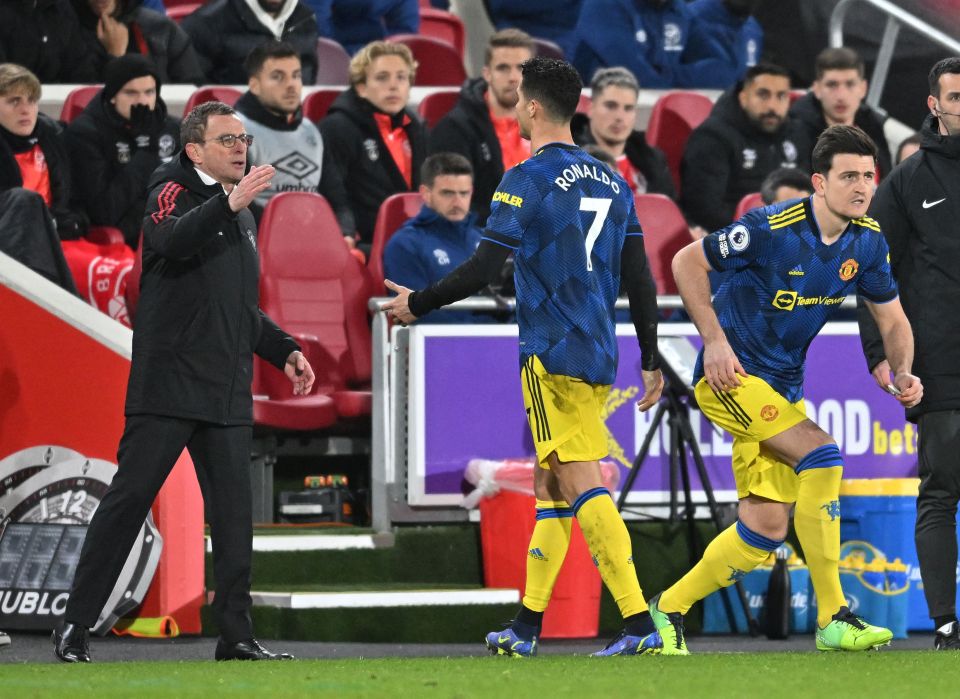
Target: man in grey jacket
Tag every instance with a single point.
(271, 112)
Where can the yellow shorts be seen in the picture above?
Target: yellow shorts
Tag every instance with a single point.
(565, 414)
(752, 413)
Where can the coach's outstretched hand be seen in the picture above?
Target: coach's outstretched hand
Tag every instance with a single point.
(246, 190)
(399, 308)
(299, 372)
(652, 388)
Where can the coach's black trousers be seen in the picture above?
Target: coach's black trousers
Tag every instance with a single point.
(149, 448)
(936, 532)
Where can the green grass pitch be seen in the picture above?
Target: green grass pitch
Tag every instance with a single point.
(769, 675)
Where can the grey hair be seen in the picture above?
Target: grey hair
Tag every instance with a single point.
(616, 76)
(193, 128)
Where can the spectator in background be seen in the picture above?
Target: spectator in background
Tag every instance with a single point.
(355, 23)
(271, 113)
(908, 146)
(610, 125)
(122, 136)
(44, 36)
(724, 41)
(441, 237)
(224, 32)
(836, 97)
(34, 179)
(377, 142)
(746, 137)
(784, 184)
(553, 20)
(112, 28)
(483, 125)
(650, 38)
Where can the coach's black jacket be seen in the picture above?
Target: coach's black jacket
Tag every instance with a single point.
(198, 323)
(918, 209)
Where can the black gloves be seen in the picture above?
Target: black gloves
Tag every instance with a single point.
(145, 126)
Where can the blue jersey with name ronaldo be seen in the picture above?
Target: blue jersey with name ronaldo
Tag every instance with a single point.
(787, 282)
(566, 215)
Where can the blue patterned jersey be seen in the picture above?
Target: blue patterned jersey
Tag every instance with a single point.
(566, 216)
(786, 284)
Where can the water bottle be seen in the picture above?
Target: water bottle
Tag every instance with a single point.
(777, 618)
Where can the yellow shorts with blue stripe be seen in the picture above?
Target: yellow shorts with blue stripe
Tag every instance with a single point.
(565, 414)
(752, 413)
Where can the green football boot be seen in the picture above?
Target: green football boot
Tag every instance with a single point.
(670, 626)
(847, 631)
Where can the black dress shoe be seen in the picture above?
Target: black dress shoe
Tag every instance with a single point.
(72, 643)
(247, 650)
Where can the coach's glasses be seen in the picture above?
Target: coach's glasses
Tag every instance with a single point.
(230, 140)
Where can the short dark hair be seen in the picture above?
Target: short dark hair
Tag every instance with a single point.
(912, 139)
(508, 39)
(265, 51)
(554, 84)
(947, 65)
(193, 128)
(841, 139)
(444, 164)
(753, 72)
(784, 177)
(838, 59)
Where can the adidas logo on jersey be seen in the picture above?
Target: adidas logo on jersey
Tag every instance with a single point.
(796, 272)
(537, 554)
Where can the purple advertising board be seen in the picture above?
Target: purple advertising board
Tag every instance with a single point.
(465, 403)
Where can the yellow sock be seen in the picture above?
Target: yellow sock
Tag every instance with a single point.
(817, 521)
(546, 551)
(609, 543)
(733, 553)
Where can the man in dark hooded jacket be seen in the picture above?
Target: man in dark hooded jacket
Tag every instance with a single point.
(483, 125)
(198, 325)
(376, 141)
(34, 180)
(746, 137)
(44, 37)
(224, 32)
(121, 137)
(112, 28)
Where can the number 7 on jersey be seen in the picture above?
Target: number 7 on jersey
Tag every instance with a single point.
(601, 207)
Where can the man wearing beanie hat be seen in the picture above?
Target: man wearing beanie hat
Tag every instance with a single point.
(122, 136)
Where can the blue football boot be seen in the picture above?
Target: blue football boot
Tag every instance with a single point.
(507, 642)
(624, 644)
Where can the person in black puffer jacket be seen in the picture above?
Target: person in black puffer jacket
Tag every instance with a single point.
(376, 141)
(44, 36)
(224, 32)
(837, 96)
(121, 137)
(746, 137)
(127, 27)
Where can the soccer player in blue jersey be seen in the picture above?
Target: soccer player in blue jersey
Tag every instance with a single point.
(571, 224)
(792, 264)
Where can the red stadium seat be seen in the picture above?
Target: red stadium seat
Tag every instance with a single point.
(333, 63)
(445, 26)
(548, 49)
(435, 106)
(440, 64)
(212, 93)
(77, 100)
(181, 10)
(583, 104)
(317, 103)
(665, 231)
(394, 210)
(317, 291)
(750, 201)
(132, 291)
(674, 116)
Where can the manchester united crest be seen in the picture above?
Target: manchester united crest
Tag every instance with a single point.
(769, 413)
(848, 270)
